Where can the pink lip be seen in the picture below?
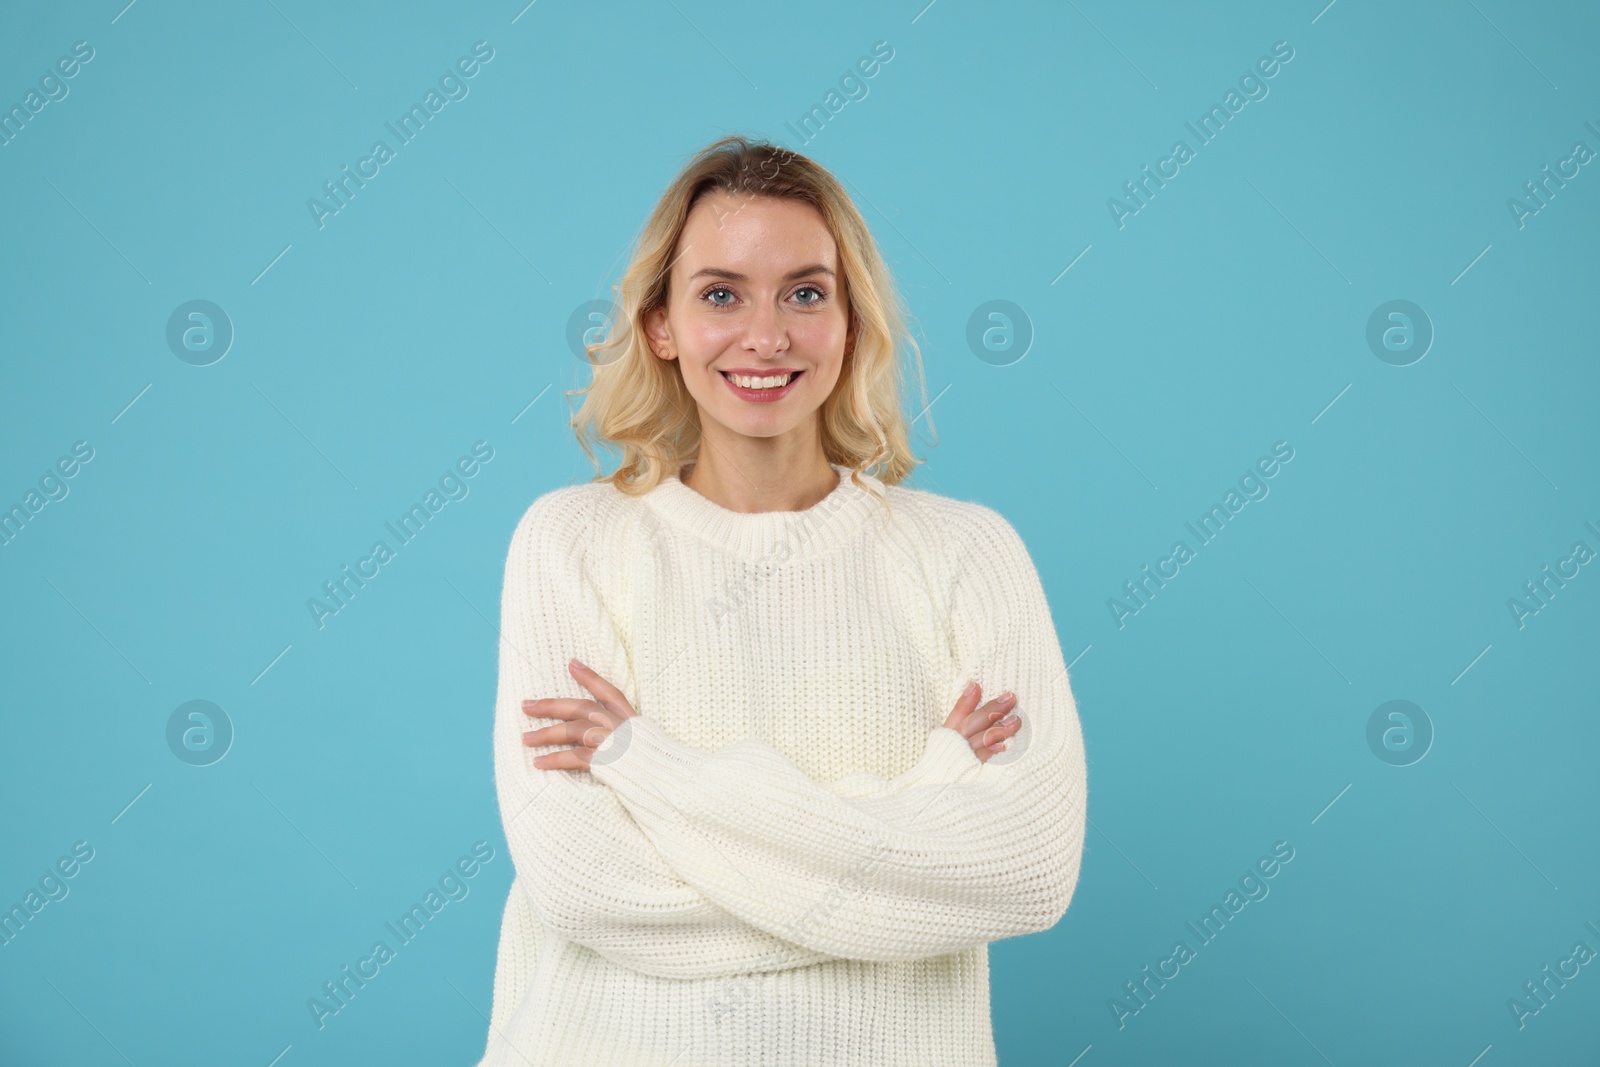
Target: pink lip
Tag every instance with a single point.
(762, 396)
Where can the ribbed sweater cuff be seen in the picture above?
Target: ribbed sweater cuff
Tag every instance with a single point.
(640, 754)
(949, 753)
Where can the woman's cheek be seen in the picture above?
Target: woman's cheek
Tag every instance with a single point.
(816, 336)
(714, 338)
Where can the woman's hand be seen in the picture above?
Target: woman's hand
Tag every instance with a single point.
(979, 726)
(588, 722)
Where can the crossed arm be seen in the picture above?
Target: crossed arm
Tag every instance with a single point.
(683, 863)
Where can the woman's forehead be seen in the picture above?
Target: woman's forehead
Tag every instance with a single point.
(744, 233)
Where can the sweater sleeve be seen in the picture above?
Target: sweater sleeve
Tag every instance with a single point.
(909, 869)
(592, 876)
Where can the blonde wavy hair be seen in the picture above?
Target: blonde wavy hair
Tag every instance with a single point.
(638, 402)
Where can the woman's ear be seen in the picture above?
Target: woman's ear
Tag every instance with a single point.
(657, 334)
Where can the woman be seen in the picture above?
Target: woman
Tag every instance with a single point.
(756, 810)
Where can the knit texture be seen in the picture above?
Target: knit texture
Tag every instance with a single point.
(785, 858)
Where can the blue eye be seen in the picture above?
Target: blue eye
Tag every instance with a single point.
(710, 294)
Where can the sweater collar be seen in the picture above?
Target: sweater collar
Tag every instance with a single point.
(770, 536)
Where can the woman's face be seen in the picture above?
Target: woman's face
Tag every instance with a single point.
(755, 291)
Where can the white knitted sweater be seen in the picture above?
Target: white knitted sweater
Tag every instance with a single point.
(785, 858)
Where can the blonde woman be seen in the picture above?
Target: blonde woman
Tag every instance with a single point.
(758, 808)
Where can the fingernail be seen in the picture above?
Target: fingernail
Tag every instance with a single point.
(1008, 720)
(970, 689)
(578, 664)
(1006, 698)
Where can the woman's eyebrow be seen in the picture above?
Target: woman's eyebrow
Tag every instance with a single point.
(735, 276)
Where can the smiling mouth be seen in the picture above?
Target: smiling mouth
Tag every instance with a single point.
(774, 381)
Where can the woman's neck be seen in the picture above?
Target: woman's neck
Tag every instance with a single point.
(748, 484)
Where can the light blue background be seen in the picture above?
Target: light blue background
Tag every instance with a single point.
(1230, 313)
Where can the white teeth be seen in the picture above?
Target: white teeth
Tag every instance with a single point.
(759, 383)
